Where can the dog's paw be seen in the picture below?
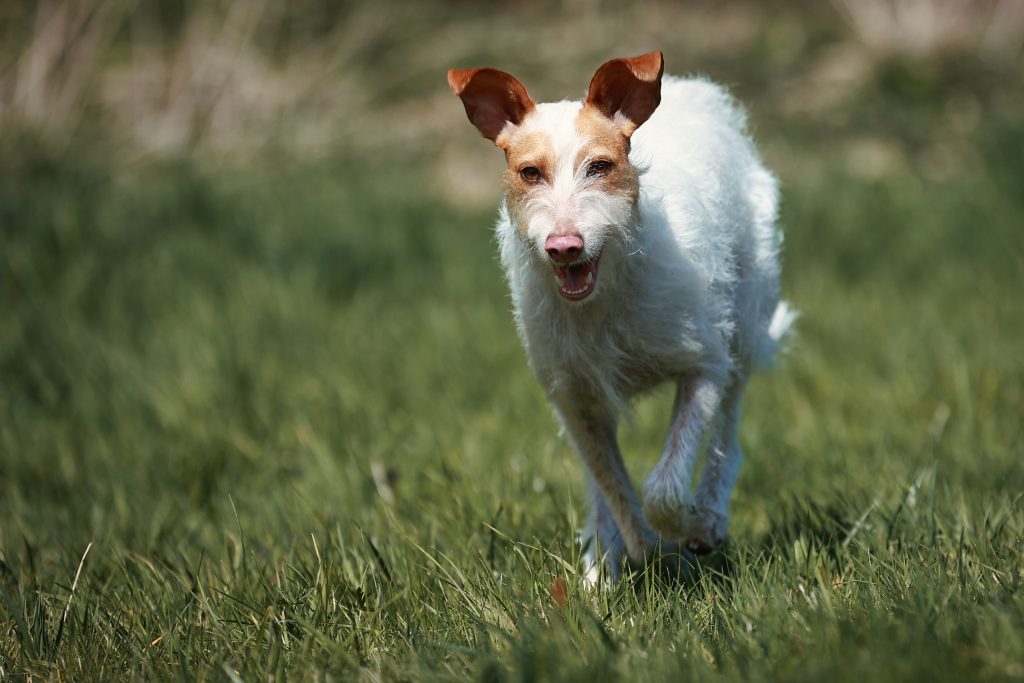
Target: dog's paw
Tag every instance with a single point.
(698, 528)
(668, 505)
(704, 530)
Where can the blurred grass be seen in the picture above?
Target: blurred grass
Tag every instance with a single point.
(280, 392)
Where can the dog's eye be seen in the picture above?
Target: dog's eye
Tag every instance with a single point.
(530, 174)
(599, 167)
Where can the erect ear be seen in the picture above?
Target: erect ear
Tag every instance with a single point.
(492, 98)
(628, 90)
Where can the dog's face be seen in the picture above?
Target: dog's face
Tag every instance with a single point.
(569, 186)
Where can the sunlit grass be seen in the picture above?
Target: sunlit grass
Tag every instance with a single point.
(263, 412)
(289, 412)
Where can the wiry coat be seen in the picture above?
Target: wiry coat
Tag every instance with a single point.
(697, 275)
(687, 291)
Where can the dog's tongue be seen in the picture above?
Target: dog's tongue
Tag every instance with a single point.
(573, 277)
(576, 282)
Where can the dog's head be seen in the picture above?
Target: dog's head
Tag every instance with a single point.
(569, 186)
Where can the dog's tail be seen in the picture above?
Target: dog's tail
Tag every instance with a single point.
(781, 325)
(780, 333)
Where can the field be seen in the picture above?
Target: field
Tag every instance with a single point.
(264, 415)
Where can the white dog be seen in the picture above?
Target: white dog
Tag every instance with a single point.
(638, 236)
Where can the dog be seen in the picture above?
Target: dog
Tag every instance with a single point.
(638, 235)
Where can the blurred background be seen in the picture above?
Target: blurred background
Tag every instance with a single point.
(887, 87)
(248, 281)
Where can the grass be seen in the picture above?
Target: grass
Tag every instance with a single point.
(270, 419)
(288, 411)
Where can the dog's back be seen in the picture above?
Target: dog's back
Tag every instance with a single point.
(706, 184)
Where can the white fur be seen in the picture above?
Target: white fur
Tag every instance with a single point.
(688, 292)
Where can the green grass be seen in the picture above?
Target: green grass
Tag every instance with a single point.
(289, 411)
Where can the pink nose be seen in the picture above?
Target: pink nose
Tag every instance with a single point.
(564, 248)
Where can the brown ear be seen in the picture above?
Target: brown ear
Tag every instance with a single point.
(492, 98)
(629, 88)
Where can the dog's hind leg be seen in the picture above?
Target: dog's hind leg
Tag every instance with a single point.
(709, 525)
(603, 546)
(669, 505)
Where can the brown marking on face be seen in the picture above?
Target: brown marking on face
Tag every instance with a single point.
(603, 139)
(522, 149)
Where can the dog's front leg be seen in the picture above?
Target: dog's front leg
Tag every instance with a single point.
(593, 434)
(668, 502)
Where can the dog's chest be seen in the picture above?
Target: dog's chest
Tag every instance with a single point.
(622, 350)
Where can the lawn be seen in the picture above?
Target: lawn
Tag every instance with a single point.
(271, 420)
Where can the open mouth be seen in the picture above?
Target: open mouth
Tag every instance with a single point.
(577, 281)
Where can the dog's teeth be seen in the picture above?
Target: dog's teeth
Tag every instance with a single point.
(590, 278)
